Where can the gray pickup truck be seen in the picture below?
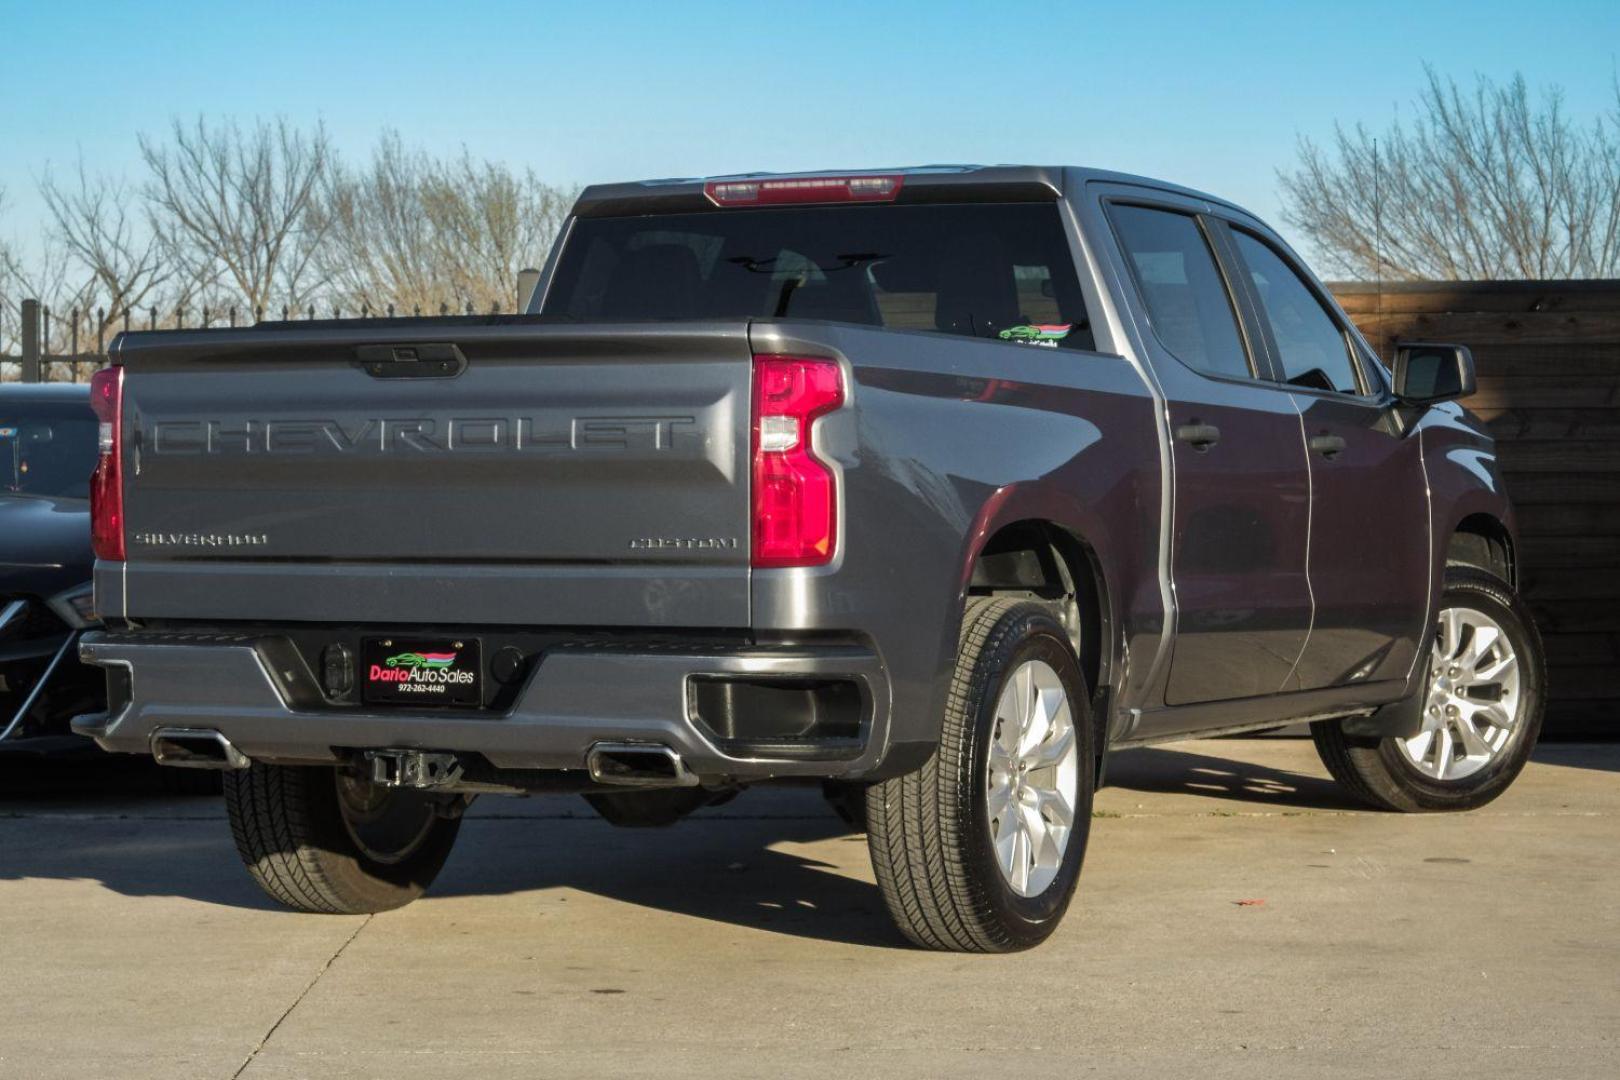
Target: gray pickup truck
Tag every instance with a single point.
(931, 485)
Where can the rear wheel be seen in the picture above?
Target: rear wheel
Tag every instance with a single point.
(979, 850)
(327, 840)
(1482, 706)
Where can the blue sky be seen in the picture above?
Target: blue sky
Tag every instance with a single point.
(1209, 94)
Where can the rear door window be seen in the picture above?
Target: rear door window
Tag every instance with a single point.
(1187, 301)
(1001, 271)
(1313, 349)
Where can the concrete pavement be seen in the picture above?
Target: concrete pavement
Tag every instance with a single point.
(750, 941)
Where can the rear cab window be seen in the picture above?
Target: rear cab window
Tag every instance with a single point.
(998, 271)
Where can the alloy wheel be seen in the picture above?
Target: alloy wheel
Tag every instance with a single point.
(1473, 699)
(1033, 777)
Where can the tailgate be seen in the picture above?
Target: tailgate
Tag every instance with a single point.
(511, 473)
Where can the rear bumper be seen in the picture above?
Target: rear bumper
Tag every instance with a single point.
(576, 697)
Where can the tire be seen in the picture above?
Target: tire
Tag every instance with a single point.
(653, 809)
(930, 832)
(1380, 773)
(318, 839)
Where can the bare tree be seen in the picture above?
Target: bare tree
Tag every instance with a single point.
(419, 232)
(232, 207)
(379, 247)
(229, 220)
(1481, 185)
(9, 297)
(489, 223)
(97, 222)
(50, 275)
(10, 301)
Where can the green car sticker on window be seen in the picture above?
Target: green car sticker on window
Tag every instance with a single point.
(1047, 334)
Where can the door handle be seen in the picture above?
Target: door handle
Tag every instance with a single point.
(1198, 436)
(1327, 445)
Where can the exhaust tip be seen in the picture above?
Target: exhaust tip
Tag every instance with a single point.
(196, 748)
(638, 765)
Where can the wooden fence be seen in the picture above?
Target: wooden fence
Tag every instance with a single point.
(1549, 389)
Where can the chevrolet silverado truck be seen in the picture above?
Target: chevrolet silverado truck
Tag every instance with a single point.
(931, 485)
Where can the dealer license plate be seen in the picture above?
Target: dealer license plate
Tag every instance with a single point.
(422, 671)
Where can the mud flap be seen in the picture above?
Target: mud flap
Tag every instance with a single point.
(1400, 719)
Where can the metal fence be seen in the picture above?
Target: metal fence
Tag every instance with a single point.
(37, 362)
(68, 345)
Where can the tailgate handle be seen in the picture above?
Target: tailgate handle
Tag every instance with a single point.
(435, 360)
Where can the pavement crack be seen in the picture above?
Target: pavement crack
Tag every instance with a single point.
(302, 994)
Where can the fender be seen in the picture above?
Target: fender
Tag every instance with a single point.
(1464, 479)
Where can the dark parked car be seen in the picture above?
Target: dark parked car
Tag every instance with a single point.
(47, 453)
(934, 485)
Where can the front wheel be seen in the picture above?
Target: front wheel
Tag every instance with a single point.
(322, 839)
(1482, 704)
(980, 849)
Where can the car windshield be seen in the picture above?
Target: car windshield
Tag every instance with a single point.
(47, 451)
(996, 270)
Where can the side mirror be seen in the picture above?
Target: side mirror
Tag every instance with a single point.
(1426, 374)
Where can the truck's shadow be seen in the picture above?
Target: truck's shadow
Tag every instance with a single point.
(741, 866)
(109, 819)
(101, 820)
(778, 861)
(1168, 770)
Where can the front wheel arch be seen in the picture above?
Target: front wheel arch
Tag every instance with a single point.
(1368, 764)
(1484, 542)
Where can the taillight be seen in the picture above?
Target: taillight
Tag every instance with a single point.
(803, 189)
(107, 482)
(795, 492)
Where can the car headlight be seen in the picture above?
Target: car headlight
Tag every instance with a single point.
(76, 606)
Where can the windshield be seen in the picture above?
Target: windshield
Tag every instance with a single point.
(47, 452)
(996, 270)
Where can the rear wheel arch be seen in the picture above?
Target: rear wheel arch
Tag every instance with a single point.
(1043, 560)
(934, 834)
